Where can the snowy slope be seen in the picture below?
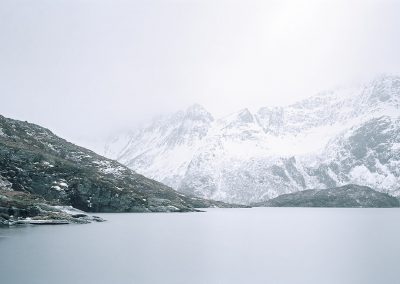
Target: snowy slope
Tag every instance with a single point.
(333, 138)
(164, 148)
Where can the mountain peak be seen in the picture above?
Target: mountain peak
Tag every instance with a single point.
(243, 116)
(386, 78)
(196, 108)
(198, 112)
(384, 88)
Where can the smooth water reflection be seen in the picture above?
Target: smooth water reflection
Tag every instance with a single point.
(258, 245)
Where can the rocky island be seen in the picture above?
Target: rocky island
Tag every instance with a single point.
(345, 196)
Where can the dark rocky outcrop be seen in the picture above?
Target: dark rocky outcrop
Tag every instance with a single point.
(35, 161)
(345, 196)
(18, 207)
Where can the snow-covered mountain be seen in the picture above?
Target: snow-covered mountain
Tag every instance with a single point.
(331, 139)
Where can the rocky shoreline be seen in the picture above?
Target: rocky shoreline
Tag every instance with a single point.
(20, 208)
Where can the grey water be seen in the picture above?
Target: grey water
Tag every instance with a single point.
(258, 245)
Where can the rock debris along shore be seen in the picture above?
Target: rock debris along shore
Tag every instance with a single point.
(23, 208)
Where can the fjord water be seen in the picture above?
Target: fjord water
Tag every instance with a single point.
(258, 245)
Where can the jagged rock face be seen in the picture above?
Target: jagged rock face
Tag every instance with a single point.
(346, 196)
(34, 160)
(331, 139)
(368, 154)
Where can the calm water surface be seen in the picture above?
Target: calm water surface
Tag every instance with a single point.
(259, 245)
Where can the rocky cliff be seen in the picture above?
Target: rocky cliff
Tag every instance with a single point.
(35, 161)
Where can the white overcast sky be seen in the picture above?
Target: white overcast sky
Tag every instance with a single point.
(83, 68)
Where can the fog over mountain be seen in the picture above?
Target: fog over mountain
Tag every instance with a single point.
(86, 69)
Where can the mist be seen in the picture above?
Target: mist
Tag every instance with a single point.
(88, 68)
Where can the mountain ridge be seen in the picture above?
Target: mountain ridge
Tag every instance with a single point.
(245, 157)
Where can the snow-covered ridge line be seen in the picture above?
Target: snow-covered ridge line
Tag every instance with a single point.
(245, 157)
